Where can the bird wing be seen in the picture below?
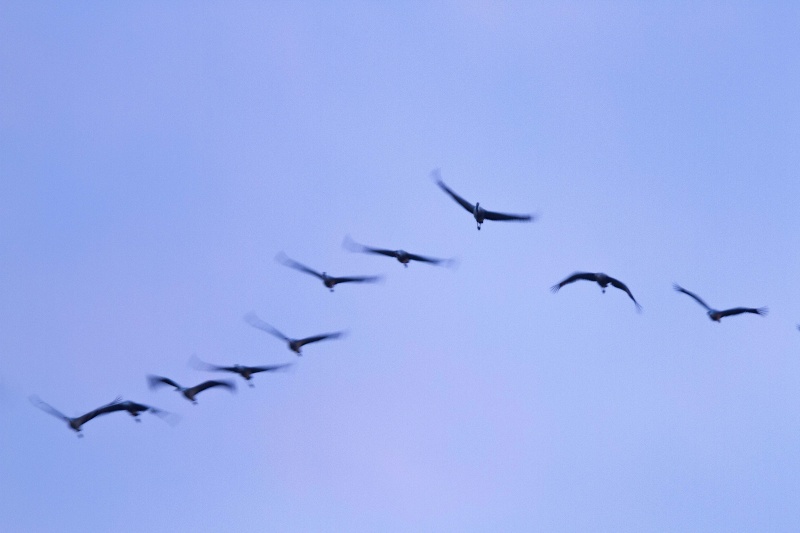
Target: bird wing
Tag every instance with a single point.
(47, 408)
(431, 260)
(351, 245)
(157, 381)
(256, 322)
(618, 284)
(268, 368)
(211, 383)
(316, 338)
(198, 364)
(739, 310)
(493, 215)
(110, 408)
(358, 279)
(465, 204)
(693, 295)
(574, 277)
(283, 259)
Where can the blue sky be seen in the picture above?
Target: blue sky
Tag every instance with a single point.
(155, 158)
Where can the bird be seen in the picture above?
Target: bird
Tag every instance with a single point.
(189, 392)
(716, 315)
(601, 279)
(75, 423)
(328, 281)
(294, 344)
(401, 255)
(135, 409)
(245, 371)
(477, 211)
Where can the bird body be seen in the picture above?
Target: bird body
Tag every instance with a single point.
(602, 279)
(246, 372)
(295, 345)
(479, 213)
(401, 255)
(190, 392)
(327, 280)
(717, 315)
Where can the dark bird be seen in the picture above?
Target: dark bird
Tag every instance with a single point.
(328, 281)
(716, 315)
(135, 409)
(245, 371)
(401, 255)
(190, 392)
(75, 423)
(601, 279)
(294, 344)
(477, 211)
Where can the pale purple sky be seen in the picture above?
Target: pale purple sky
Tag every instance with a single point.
(154, 158)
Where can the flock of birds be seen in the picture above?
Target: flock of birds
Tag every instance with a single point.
(295, 345)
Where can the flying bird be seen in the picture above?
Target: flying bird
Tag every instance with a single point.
(480, 214)
(328, 281)
(294, 344)
(245, 371)
(135, 409)
(401, 255)
(190, 392)
(601, 279)
(75, 423)
(716, 315)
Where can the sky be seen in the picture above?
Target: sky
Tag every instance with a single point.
(155, 158)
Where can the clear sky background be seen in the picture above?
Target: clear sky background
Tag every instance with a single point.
(154, 158)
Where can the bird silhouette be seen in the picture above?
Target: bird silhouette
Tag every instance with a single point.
(294, 344)
(717, 315)
(328, 281)
(479, 213)
(401, 255)
(189, 392)
(601, 279)
(245, 371)
(135, 409)
(75, 423)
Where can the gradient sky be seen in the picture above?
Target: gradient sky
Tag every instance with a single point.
(154, 158)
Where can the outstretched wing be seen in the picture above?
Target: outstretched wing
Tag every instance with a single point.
(317, 338)
(618, 284)
(465, 204)
(256, 322)
(492, 215)
(431, 260)
(739, 310)
(156, 381)
(356, 279)
(268, 368)
(351, 245)
(47, 408)
(693, 295)
(198, 364)
(283, 259)
(574, 277)
(210, 384)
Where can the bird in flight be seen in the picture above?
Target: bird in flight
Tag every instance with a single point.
(294, 344)
(189, 392)
(401, 255)
(245, 371)
(135, 409)
(716, 315)
(477, 211)
(328, 281)
(76, 423)
(601, 279)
